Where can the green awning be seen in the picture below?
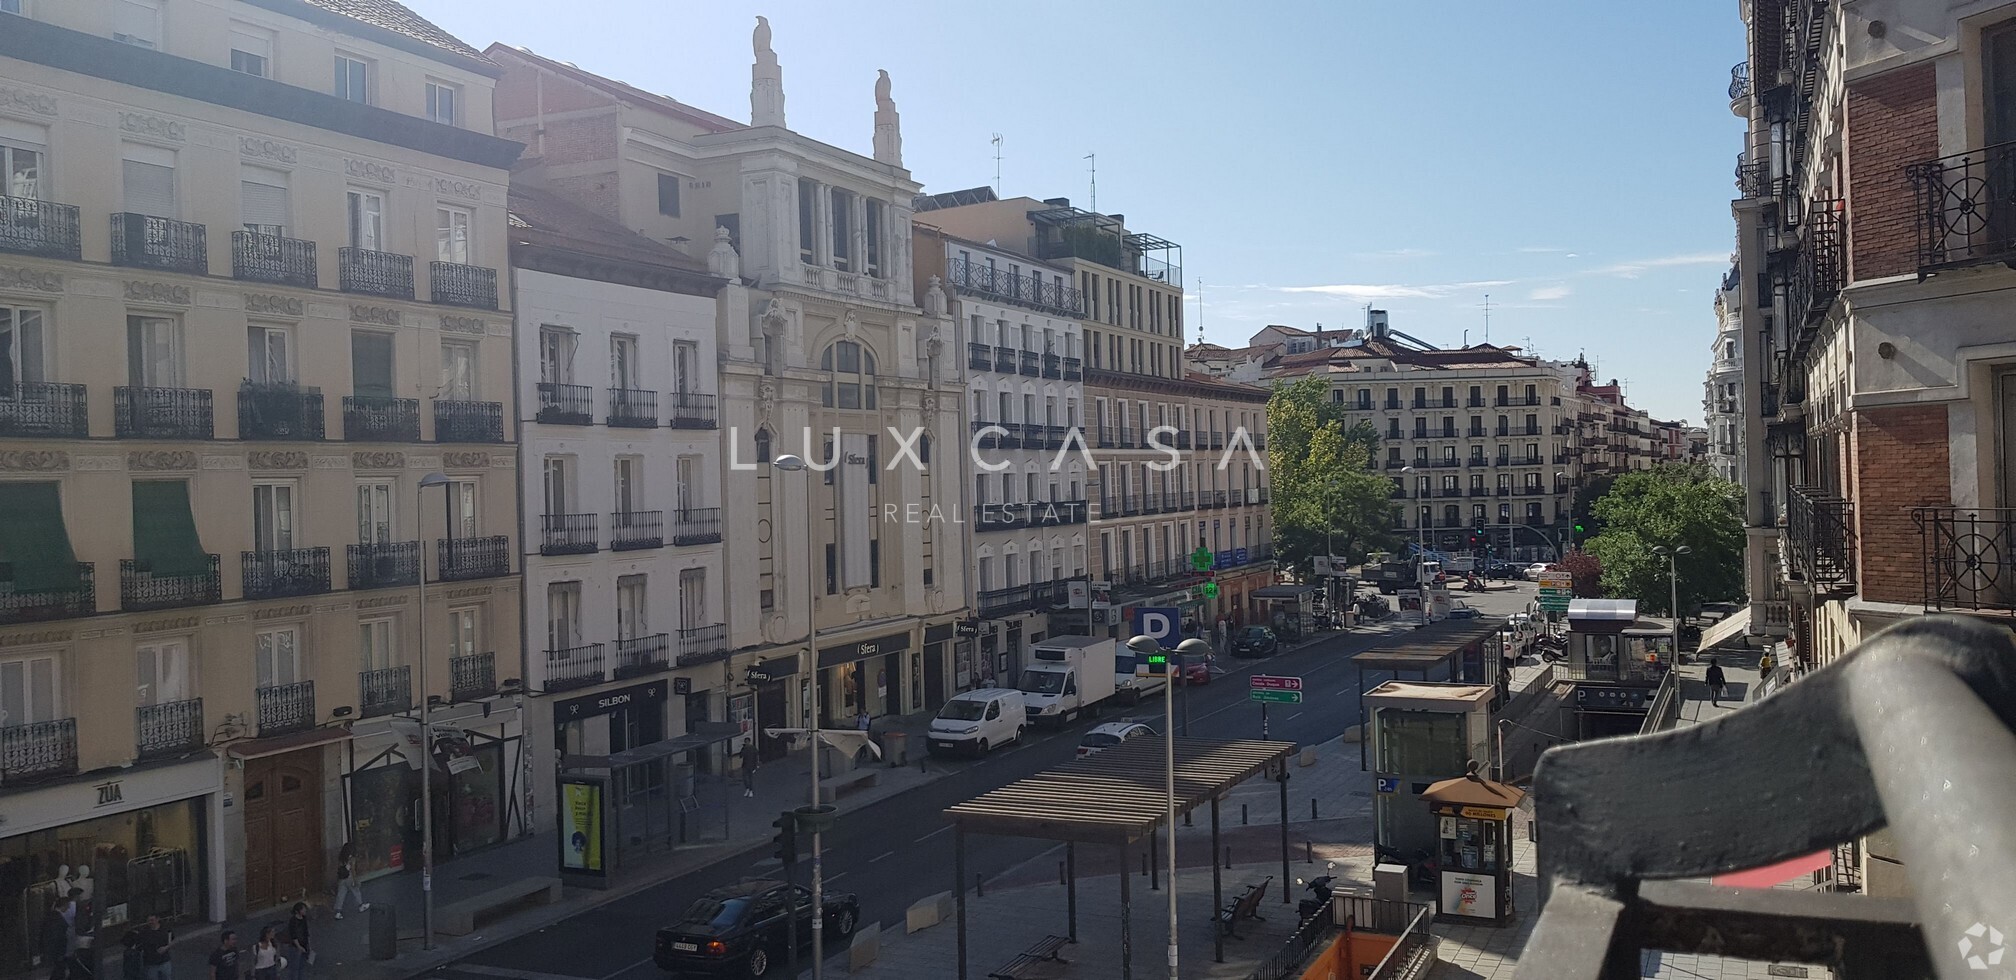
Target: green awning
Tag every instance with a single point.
(164, 530)
(33, 538)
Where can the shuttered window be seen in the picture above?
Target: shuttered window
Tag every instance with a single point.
(149, 188)
(262, 196)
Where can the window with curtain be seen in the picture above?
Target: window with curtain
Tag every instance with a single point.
(23, 349)
(34, 541)
(267, 355)
(458, 371)
(164, 672)
(451, 234)
(29, 691)
(153, 352)
(21, 165)
(165, 541)
(276, 656)
(374, 512)
(371, 364)
(366, 213)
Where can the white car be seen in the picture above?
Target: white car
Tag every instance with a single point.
(1110, 734)
(1533, 571)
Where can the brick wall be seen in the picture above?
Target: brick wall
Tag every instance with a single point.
(521, 93)
(1892, 121)
(1900, 460)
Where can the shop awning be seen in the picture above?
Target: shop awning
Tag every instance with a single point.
(259, 748)
(164, 529)
(705, 734)
(33, 538)
(1731, 627)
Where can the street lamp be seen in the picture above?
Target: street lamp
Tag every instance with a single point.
(797, 464)
(1421, 526)
(1148, 646)
(1673, 575)
(426, 732)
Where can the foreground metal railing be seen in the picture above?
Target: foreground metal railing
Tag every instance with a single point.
(1968, 555)
(1912, 730)
(1413, 957)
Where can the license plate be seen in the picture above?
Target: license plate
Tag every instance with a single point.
(944, 745)
(686, 947)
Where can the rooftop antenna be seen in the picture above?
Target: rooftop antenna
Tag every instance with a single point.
(1487, 319)
(997, 164)
(1094, 157)
(1200, 310)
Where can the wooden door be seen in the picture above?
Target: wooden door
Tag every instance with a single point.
(283, 828)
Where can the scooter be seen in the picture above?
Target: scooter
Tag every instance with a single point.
(1319, 896)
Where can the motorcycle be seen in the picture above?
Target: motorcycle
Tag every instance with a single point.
(1319, 896)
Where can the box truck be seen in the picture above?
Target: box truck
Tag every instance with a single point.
(1067, 676)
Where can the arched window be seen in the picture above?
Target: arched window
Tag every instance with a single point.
(852, 381)
(762, 445)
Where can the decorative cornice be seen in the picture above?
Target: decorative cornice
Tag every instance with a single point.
(462, 324)
(157, 292)
(370, 170)
(141, 124)
(35, 102)
(34, 460)
(265, 149)
(272, 305)
(374, 314)
(378, 460)
(161, 459)
(22, 277)
(277, 459)
(464, 460)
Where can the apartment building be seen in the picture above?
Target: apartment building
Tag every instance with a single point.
(1025, 383)
(823, 354)
(1614, 437)
(1722, 392)
(258, 371)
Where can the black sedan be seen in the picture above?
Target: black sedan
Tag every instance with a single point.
(1254, 641)
(740, 930)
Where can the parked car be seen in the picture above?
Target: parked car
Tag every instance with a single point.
(1505, 570)
(739, 930)
(1197, 672)
(1533, 571)
(977, 721)
(1254, 641)
(1110, 734)
(1458, 609)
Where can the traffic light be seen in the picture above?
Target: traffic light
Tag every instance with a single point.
(1578, 527)
(786, 839)
(1158, 663)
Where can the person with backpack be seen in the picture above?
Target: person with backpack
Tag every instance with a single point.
(266, 958)
(346, 880)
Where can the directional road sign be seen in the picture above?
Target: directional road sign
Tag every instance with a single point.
(1273, 682)
(1274, 697)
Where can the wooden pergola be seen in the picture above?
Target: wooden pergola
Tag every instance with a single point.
(1117, 797)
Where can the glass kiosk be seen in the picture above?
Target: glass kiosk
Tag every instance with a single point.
(1474, 847)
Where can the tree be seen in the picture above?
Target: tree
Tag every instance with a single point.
(1323, 482)
(1587, 575)
(1671, 507)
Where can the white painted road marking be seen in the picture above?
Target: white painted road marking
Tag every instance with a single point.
(884, 855)
(934, 833)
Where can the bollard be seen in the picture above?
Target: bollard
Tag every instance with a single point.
(1144, 865)
(1312, 808)
(383, 931)
(1060, 873)
(1309, 852)
(979, 884)
(1228, 857)
(1242, 814)
(1186, 818)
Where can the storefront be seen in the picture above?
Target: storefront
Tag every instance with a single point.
(863, 676)
(476, 786)
(137, 843)
(929, 677)
(772, 680)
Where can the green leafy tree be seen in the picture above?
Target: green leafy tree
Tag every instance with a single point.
(1325, 492)
(1670, 507)
(1587, 574)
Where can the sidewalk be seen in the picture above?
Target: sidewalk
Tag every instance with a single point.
(725, 825)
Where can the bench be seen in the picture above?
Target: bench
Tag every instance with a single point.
(1246, 906)
(461, 918)
(1042, 951)
(832, 787)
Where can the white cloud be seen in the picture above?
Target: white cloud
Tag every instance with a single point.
(1546, 293)
(1378, 291)
(1633, 269)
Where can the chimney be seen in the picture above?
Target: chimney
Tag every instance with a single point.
(1058, 202)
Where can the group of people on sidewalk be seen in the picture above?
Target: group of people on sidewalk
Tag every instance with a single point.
(269, 957)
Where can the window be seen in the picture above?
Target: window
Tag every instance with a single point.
(462, 515)
(451, 234)
(251, 50)
(558, 483)
(164, 672)
(629, 476)
(632, 605)
(374, 512)
(622, 361)
(763, 445)
(668, 195)
(153, 352)
(371, 364)
(685, 476)
(262, 201)
(693, 598)
(685, 361)
(841, 218)
(21, 165)
(808, 222)
(147, 181)
(443, 102)
(458, 371)
(366, 211)
(29, 691)
(24, 349)
(556, 355)
(563, 615)
(374, 645)
(874, 229)
(273, 516)
(353, 79)
(276, 655)
(851, 384)
(267, 355)
(137, 22)
(10, 6)
(463, 637)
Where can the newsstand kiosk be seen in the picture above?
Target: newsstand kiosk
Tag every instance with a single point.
(1474, 849)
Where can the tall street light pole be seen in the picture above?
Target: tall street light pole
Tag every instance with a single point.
(1146, 646)
(426, 736)
(797, 464)
(1673, 576)
(1420, 524)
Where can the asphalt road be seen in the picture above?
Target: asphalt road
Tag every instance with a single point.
(899, 850)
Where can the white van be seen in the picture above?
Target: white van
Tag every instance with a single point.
(977, 721)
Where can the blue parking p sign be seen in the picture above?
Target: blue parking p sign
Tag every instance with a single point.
(1164, 623)
(1388, 784)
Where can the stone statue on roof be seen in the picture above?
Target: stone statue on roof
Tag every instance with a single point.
(766, 80)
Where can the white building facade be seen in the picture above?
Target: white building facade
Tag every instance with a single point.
(1722, 394)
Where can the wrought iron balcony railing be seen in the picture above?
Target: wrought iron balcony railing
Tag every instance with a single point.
(1054, 296)
(285, 708)
(385, 691)
(43, 410)
(146, 242)
(1074, 369)
(1968, 555)
(273, 258)
(376, 418)
(640, 655)
(1819, 269)
(1030, 364)
(30, 227)
(696, 525)
(571, 667)
(169, 729)
(289, 572)
(1966, 208)
(569, 534)
(979, 357)
(1053, 366)
(279, 411)
(462, 559)
(383, 564)
(472, 677)
(633, 408)
(636, 529)
(691, 411)
(1002, 602)
(1820, 537)
(1004, 360)
(361, 270)
(17, 606)
(38, 750)
(1739, 80)
(562, 404)
(455, 284)
(466, 421)
(702, 644)
(140, 589)
(162, 413)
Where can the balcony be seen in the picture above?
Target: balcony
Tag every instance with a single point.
(455, 284)
(285, 708)
(272, 258)
(979, 357)
(17, 606)
(361, 270)
(1820, 538)
(141, 590)
(44, 410)
(279, 411)
(565, 404)
(1061, 512)
(465, 421)
(994, 603)
(633, 408)
(146, 242)
(472, 677)
(383, 565)
(462, 559)
(1004, 360)
(38, 750)
(1817, 270)
(690, 411)
(162, 413)
(637, 529)
(1053, 366)
(640, 655)
(377, 418)
(1968, 556)
(696, 525)
(1030, 367)
(29, 227)
(568, 534)
(386, 691)
(570, 667)
(1074, 369)
(1219, 499)
(702, 644)
(999, 517)
(1032, 291)
(171, 729)
(284, 573)
(1739, 89)
(1966, 207)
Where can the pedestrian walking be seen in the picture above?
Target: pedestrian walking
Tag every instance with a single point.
(1716, 681)
(224, 959)
(266, 958)
(300, 952)
(55, 941)
(862, 721)
(153, 941)
(346, 879)
(749, 767)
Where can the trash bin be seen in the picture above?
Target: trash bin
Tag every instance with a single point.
(384, 931)
(682, 778)
(895, 748)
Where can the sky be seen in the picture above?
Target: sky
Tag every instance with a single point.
(1571, 160)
